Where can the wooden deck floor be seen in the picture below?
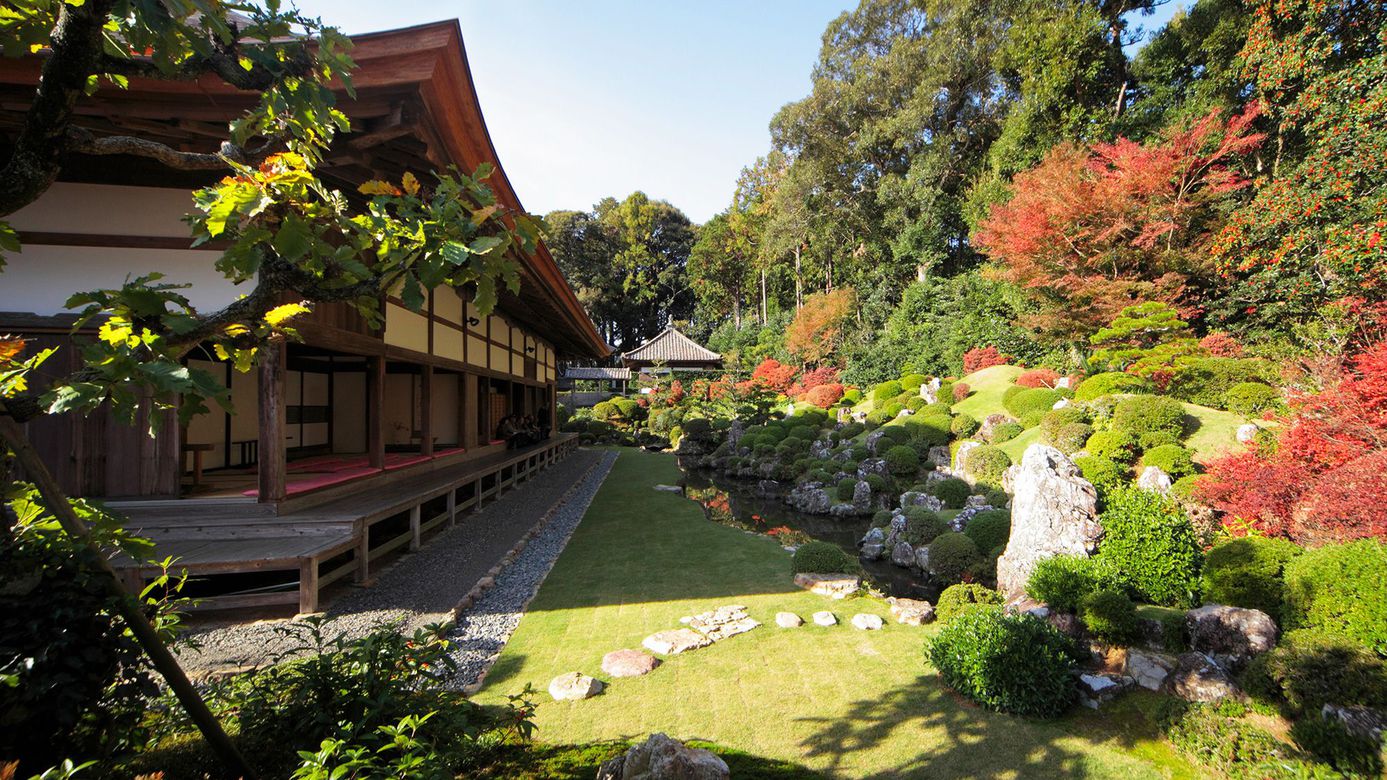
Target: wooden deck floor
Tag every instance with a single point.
(235, 535)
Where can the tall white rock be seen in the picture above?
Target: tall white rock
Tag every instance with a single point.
(1054, 511)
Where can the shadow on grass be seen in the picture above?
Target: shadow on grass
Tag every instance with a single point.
(975, 742)
(580, 762)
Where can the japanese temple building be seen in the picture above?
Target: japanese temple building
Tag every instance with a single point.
(671, 349)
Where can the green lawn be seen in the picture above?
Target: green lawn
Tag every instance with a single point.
(987, 387)
(841, 701)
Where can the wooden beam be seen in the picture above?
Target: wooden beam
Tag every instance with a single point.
(308, 586)
(414, 532)
(375, 411)
(272, 428)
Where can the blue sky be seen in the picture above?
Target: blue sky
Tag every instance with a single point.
(589, 99)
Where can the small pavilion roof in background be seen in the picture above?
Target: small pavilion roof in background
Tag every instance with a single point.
(599, 372)
(671, 347)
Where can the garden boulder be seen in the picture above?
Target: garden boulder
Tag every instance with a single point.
(788, 620)
(1230, 635)
(810, 498)
(1197, 678)
(903, 554)
(1054, 512)
(1149, 670)
(825, 619)
(873, 545)
(574, 686)
(663, 758)
(628, 663)
(836, 586)
(911, 612)
(867, 622)
(1154, 480)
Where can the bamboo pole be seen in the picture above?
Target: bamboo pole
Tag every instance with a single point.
(128, 603)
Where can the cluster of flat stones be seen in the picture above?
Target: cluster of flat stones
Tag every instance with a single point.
(864, 621)
(663, 758)
(836, 586)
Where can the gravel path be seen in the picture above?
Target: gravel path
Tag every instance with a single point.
(484, 628)
(422, 587)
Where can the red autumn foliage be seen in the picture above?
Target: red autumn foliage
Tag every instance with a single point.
(978, 358)
(824, 375)
(824, 396)
(1324, 478)
(1038, 377)
(1221, 345)
(775, 375)
(1090, 230)
(961, 391)
(676, 393)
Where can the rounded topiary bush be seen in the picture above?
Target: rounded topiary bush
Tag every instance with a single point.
(845, 488)
(989, 530)
(1150, 547)
(896, 434)
(1117, 446)
(929, 430)
(902, 460)
(1340, 590)
(822, 558)
(852, 396)
(1009, 663)
(952, 491)
(1185, 487)
(951, 555)
(964, 425)
(1032, 419)
(1005, 432)
(1063, 582)
(1308, 669)
(956, 599)
(876, 482)
(1251, 398)
(1247, 572)
(1110, 383)
(922, 526)
(886, 391)
(1148, 417)
(960, 391)
(1170, 458)
(912, 382)
(1037, 399)
(697, 427)
(1054, 420)
(1071, 437)
(987, 464)
(1110, 617)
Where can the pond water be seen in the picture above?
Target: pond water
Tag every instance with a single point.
(741, 504)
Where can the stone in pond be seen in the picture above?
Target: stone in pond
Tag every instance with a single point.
(628, 663)
(788, 620)
(662, 758)
(825, 619)
(911, 612)
(866, 622)
(837, 586)
(574, 686)
(675, 641)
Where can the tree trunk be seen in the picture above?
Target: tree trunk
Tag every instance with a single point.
(737, 311)
(764, 318)
(131, 610)
(799, 279)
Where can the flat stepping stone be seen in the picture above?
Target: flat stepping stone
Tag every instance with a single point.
(723, 622)
(911, 612)
(675, 641)
(788, 620)
(825, 619)
(574, 686)
(867, 622)
(628, 663)
(838, 586)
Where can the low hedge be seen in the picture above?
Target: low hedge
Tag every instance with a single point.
(1340, 590)
(1150, 418)
(1063, 582)
(822, 558)
(1248, 572)
(1005, 432)
(1009, 663)
(1251, 398)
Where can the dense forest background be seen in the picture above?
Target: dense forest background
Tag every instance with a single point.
(974, 172)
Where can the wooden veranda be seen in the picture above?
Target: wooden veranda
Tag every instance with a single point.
(330, 539)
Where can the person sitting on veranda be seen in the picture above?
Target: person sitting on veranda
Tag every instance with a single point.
(542, 422)
(510, 432)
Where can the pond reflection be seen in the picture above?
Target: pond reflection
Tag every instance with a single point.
(758, 507)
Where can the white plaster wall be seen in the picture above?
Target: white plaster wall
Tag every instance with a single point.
(107, 208)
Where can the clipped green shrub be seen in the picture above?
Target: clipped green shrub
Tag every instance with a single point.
(964, 425)
(1104, 473)
(902, 460)
(1247, 572)
(882, 518)
(1110, 617)
(1340, 590)
(1029, 400)
(951, 555)
(892, 410)
(915, 403)
(1110, 383)
(1184, 487)
(952, 491)
(1251, 398)
(876, 482)
(1011, 392)
(956, 599)
(896, 434)
(886, 391)
(1032, 419)
(851, 430)
(1056, 419)
(823, 558)
(928, 430)
(852, 396)
(1071, 438)
(1009, 663)
(1063, 582)
(1006, 432)
(1308, 669)
(697, 427)
(1170, 458)
(1116, 446)
(922, 526)
(1150, 547)
(989, 530)
(1146, 415)
(604, 410)
(1206, 381)
(987, 464)
(845, 488)
(912, 382)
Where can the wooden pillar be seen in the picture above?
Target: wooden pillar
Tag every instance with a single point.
(272, 427)
(414, 528)
(467, 396)
(363, 556)
(477, 496)
(426, 411)
(452, 507)
(308, 585)
(375, 411)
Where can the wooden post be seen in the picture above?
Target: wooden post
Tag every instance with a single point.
(308, 586)
(363, 557)
(467, 415)
(452, 506)
(414, 528)
(272, 428)
(477, 496)
(426, 411)
(375, 411)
